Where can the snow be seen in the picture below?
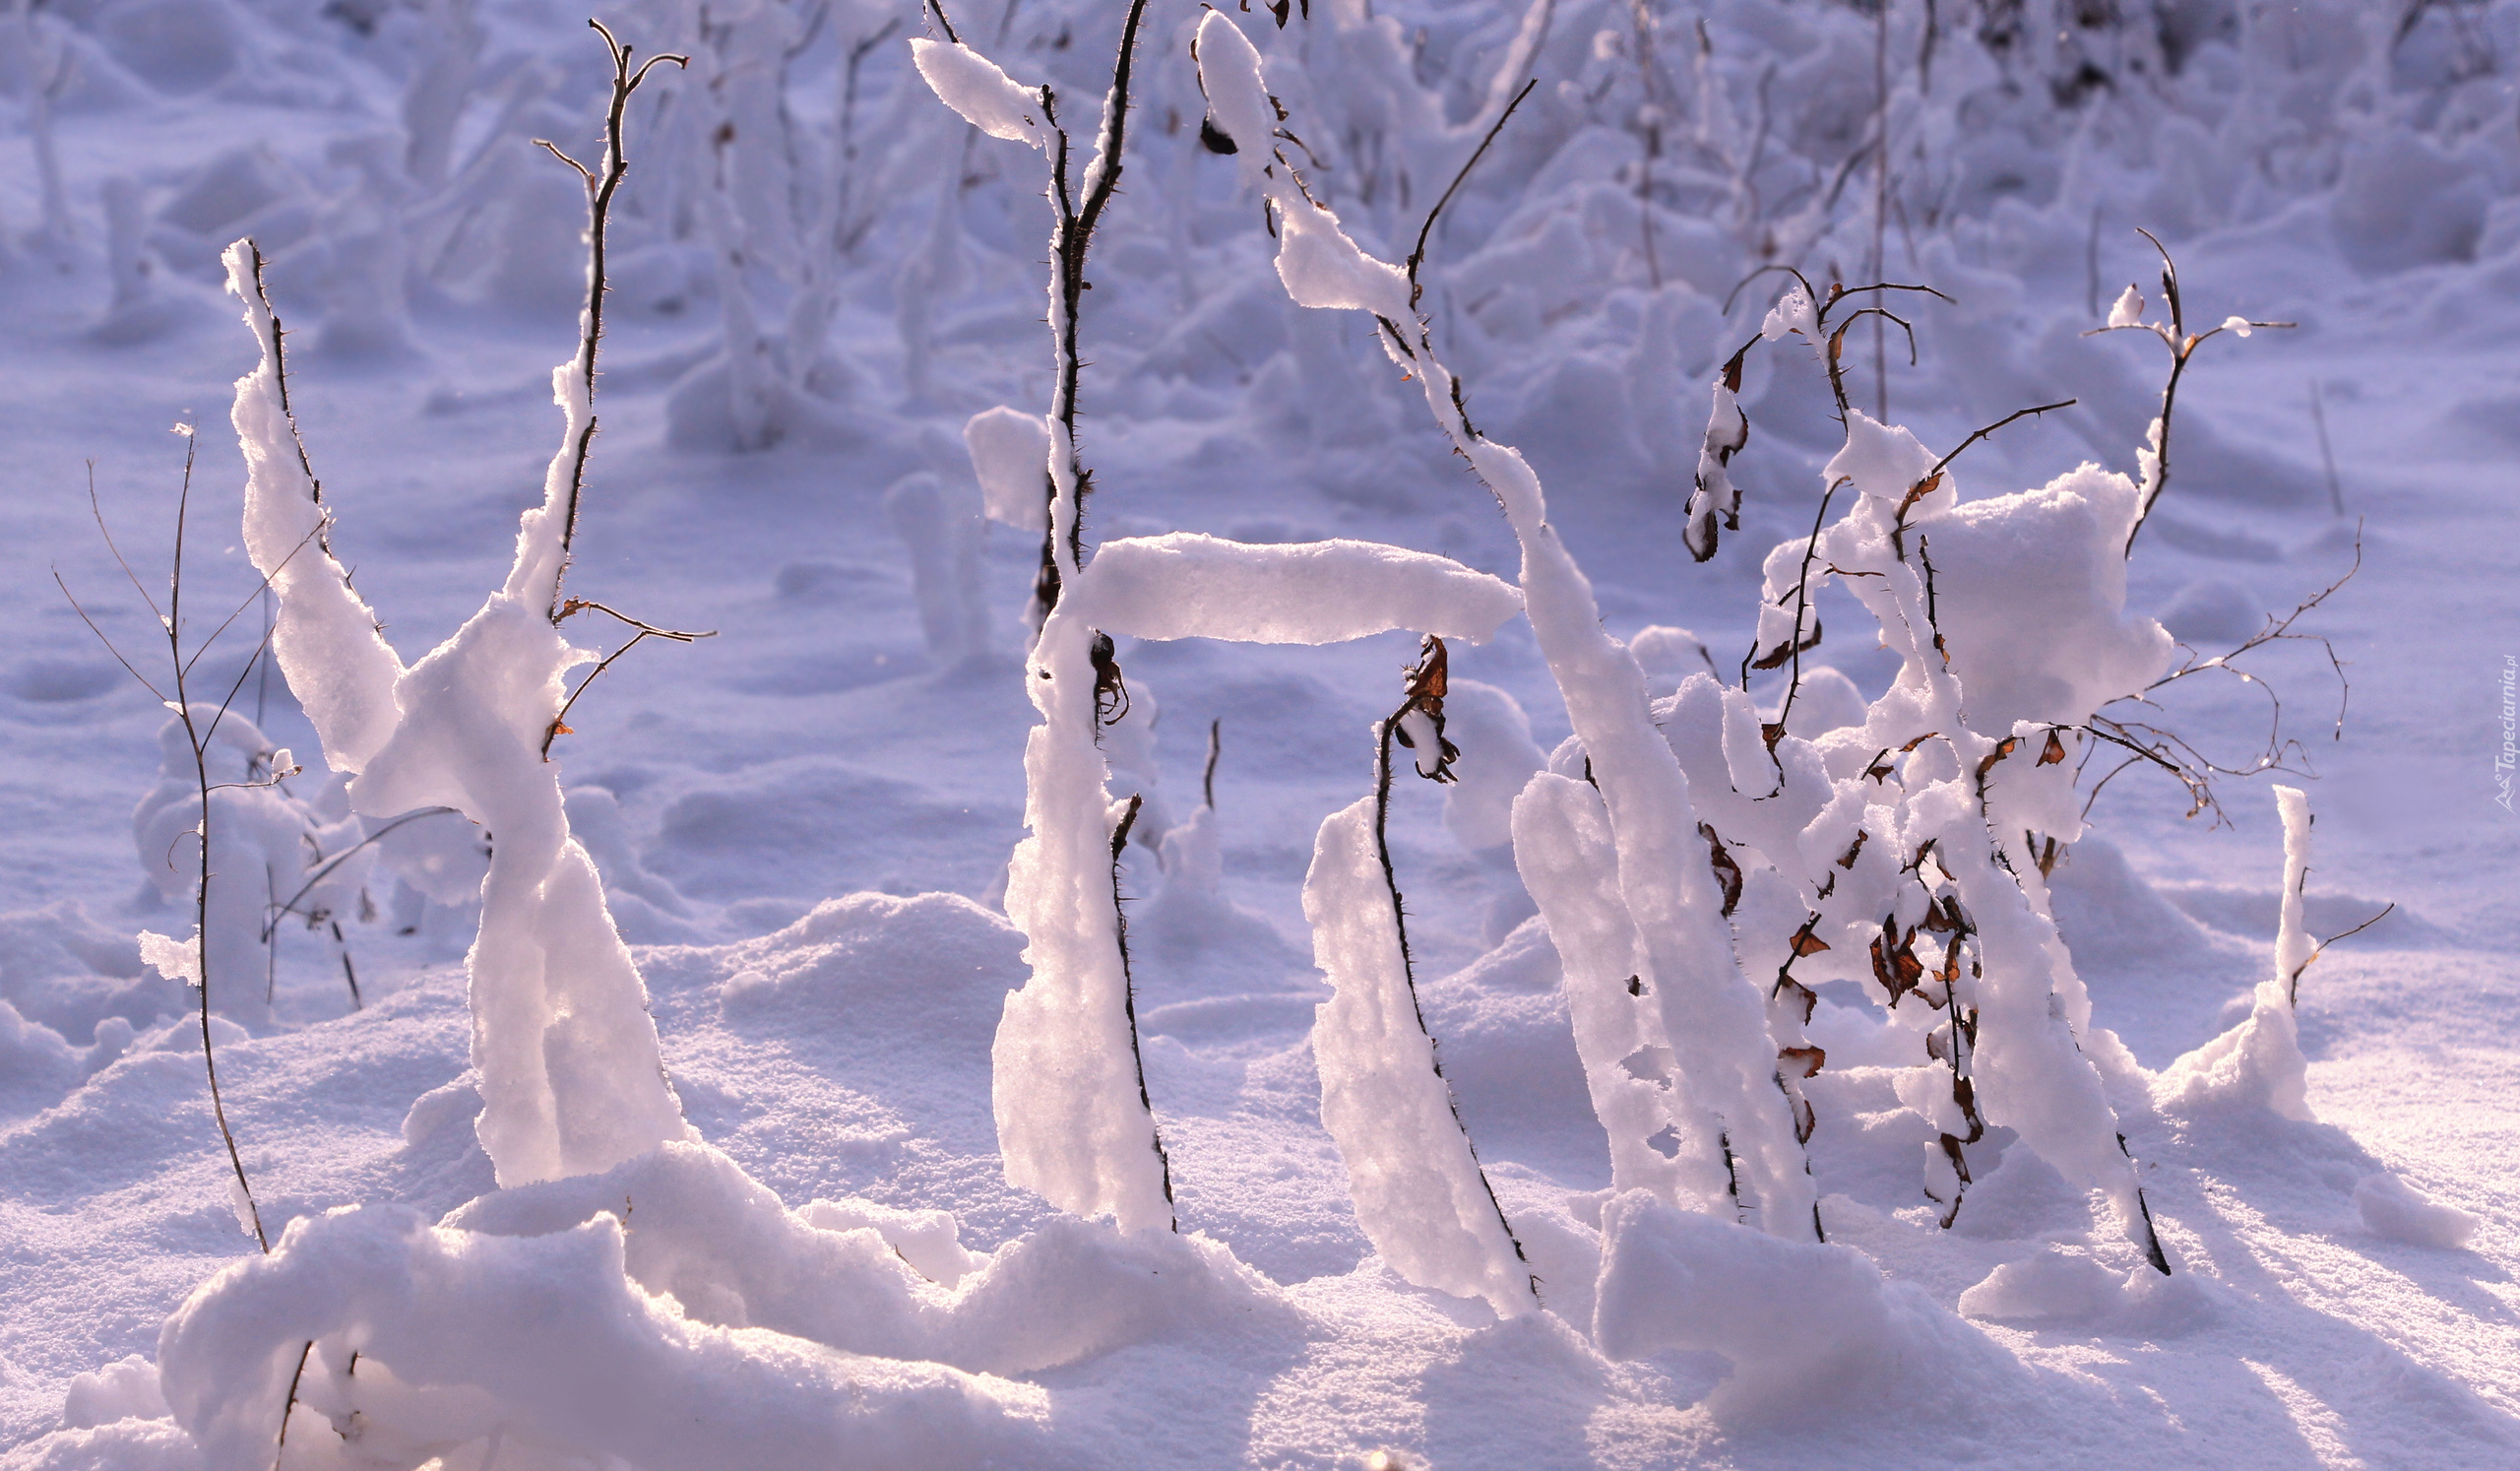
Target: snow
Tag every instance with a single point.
(1420, 1195)
(758, 1080)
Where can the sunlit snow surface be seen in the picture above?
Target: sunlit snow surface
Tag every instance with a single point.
(803, 823)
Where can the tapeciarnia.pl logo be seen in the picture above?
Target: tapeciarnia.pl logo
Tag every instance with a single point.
(2505, 758)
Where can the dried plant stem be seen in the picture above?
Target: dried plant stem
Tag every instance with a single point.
(2182, 345)
(1076, 209)
(197, 736)
(1383, 733)
(600, 186)
(279, 1447)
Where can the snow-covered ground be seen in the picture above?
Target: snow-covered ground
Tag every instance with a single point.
(803, 823)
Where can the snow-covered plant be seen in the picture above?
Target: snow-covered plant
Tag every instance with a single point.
(571, 1079)
(1725, 1117)
(1420, 1192)
(310, 866)
(1074, 1118)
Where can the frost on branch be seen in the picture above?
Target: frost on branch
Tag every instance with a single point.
(986, 97)
(571, 1080)
(1417, 1190)
(1725, 1062)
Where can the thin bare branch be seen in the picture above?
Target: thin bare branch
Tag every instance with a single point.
(1418, 256)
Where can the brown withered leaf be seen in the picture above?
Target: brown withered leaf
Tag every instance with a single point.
(1918, 492)
(1793, 989)
(1965, 1093)
(1920, 741)
(1807, 944)
(1848, 861)
(1951, 1146)
(2003, 748)
(1801, 1061)
(2055, 751)
(1777, 655)
(558, 729)
(1728, 873)
(1772, 734)
(1636, 985)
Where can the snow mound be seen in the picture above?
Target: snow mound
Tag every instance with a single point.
(2399, 1211)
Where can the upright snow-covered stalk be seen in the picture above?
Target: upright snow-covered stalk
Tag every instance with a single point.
(571, 1080)
(1420, 1192)
(2258, 1063)
(1074, 1120)
(1728, 1068)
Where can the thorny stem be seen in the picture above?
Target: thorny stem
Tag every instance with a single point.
(1073, 220)
(1071, 237)
(600, 192)
(280, 377)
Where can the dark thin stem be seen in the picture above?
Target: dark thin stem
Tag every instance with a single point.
(1408, 964)
(1129, 1001)
(1418, 256)
(561, 723)
(1943, 464)
(600, 192)
(200, 742)
(344, 857)
(1071, 238)
(280, 378)
(281, 1447)
(1208, 778)
(2293, 983)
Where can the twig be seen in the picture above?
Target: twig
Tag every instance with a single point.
(279, 1448)
(1208, 778)
(1418, 256)
(272, 922)
(600, 191)
(559, 725)
(171, 621)
(1129, 995)
(2181, 347)
(2293, 983)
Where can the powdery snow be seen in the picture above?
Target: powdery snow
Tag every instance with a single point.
(762, 1080)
